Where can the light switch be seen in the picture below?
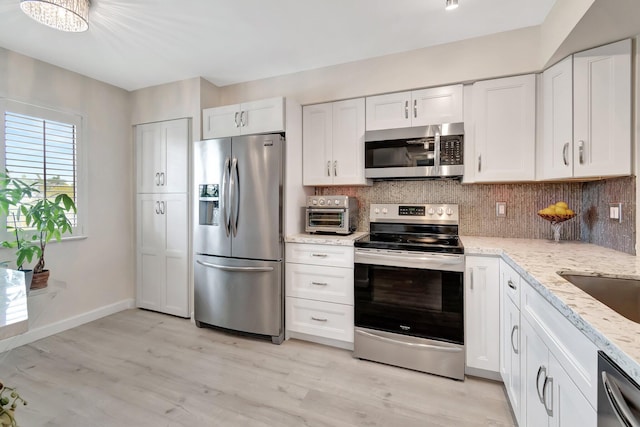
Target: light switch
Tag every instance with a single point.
(501, 209)
(615, 211)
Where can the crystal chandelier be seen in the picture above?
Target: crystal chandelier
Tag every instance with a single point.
(64, 15)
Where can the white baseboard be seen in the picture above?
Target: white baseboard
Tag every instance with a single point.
(62, 325)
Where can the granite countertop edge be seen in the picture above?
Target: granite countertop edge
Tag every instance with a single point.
(538, 262)
(325, 239)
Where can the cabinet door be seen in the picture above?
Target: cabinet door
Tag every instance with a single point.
(437, 105)
(176, 253)
(148, 157)
(535, 367)
(348, 142)
(569, 407)
(175, 141)
(162, 152)
(388, 111)
(482, 313)
(510, 347)
(602, 111)
(150, 253)
(504, 115)
(556, 145)
(219, 122)
(264, 116)
(317, 143)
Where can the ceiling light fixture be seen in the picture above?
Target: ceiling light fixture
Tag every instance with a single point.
(63, 15)
(451, 4)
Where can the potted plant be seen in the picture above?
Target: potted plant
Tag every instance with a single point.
(44, 219)
(12, 193)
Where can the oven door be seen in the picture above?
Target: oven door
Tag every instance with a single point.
(411, 293)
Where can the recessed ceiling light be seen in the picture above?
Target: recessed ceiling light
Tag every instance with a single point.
(451, 4)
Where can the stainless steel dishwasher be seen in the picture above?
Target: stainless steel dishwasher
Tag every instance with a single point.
(618, 395)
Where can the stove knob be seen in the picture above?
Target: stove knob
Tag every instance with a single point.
(430, 211)
(336, 202)
(384, 211)
(376, 211)
(449, 211)
(321, 202)
(440, 211)
(329, 202)
(314, 202)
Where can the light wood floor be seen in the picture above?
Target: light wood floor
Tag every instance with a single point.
(139, 368)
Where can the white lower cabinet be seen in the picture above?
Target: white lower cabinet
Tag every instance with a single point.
(548, 366)
(163, 253)
(482, 315)
(551, 397)
(319, 293)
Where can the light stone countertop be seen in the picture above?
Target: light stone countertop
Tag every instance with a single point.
(325, 239)
(538, 262)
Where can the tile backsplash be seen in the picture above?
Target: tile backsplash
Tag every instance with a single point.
(477, 204)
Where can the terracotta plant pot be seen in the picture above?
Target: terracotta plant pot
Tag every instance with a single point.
(40, 280)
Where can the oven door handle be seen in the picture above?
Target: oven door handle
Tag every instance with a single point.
(441, 259)
(617, 402)
(409, 344)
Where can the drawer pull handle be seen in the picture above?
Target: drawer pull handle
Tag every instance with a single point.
(317, 319)
(319, 255)
(319, 283)
(511, 285)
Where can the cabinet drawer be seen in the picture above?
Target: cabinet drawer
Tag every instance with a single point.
(323, 319)
(573, 350)
(510, 282)
(330, 284)
(332, 256)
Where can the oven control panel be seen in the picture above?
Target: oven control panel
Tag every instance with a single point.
(411, 210)
(414, 213)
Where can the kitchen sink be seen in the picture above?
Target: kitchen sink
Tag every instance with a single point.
(621, 295)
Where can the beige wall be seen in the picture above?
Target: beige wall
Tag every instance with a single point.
(97, 271)
(508, 53)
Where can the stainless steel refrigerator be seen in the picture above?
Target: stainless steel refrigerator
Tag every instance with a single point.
(238, 237)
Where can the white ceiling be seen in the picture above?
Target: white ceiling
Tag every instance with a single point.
(138, 43)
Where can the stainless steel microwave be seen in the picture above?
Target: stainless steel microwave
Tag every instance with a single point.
(416, 152)
(331, 214)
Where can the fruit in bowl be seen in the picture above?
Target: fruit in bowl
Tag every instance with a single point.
(557, 212)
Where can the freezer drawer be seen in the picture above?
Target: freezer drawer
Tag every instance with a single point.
(237, 294)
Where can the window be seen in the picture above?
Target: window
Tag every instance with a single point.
(40, 146)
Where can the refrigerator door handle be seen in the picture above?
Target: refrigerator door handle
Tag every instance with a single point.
(234, 196)
(225, 197)
(227, 268)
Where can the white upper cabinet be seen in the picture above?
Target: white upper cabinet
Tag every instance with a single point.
(333, 143)
(555, 151)
(416, 108)
(586, 118)
(504, 124)
(162, 156)
(602, 111)
(248, 118)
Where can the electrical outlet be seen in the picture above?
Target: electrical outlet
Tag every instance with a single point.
(501, 209)
(615, 211)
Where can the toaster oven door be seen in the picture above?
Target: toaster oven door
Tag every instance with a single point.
(327, 220)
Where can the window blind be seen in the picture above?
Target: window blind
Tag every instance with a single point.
(42, 152)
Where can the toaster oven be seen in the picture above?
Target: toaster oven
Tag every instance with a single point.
(331, 214)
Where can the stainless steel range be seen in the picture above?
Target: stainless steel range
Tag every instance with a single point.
(409, 308)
